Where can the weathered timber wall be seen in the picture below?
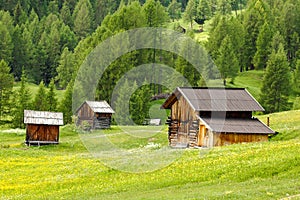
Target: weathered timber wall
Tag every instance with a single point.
(85, 112)
(221, 139)
(42, 133)
(183, 132)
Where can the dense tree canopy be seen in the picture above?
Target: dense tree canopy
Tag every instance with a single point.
(50, 39)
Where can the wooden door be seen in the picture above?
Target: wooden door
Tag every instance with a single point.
(201, 135)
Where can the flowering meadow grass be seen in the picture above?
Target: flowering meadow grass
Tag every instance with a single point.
(68, 171)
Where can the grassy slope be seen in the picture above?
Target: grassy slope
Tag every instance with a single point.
(245, 171)
(33, 88)
(251, 80)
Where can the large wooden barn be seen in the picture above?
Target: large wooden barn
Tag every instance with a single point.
(97, 113)
(42, 127)
(207, 117)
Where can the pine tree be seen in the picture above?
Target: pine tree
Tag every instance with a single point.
(190, 13)
(227, 61)
(65, 105)
(22, 102)
(6, 85)
(40, 100)
(276, 83)
(51, 97)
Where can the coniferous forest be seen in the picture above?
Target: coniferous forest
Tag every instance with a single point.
(45, 42)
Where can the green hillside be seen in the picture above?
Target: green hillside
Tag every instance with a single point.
(244, 171)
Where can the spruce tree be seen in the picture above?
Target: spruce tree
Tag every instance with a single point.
(6, 85)
(40, 99)
(276, 83)
(22, 102)
(65, 105)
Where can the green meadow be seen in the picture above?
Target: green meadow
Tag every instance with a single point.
(267, 170)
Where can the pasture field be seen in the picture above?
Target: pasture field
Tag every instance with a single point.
(68, 171)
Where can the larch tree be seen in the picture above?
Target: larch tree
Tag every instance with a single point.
(263, 46)
(174, 10)
(276, 83)
(65, 105)
(254, 18)
(6, 85)
(6, 44)
(296, 78)
(65, 68)
(227, 61)
(190, 12)
(83, 18)
(22, 102)
(204, 11)
(122, 103)
(51, 97)
(65, 14)
(40, 100)
(224, 7)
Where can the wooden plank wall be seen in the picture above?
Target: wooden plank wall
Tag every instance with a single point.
(42, 133)
(221, 139)
(85, 112)
(185, 115)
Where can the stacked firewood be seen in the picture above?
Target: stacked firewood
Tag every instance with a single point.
(193, 130)
(173, 132)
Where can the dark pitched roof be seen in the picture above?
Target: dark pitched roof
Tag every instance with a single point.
(246, 126)
(43, 117)
(215, 99)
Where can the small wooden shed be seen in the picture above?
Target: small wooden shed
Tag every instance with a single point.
(97, 113)
(208, 117)
(42, 127)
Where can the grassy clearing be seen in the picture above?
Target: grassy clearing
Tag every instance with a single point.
(243, 171)
(251, 80)
(33, 88)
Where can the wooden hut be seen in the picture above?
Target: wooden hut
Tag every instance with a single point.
(207, 117)
(42, 127)
(96, 113)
